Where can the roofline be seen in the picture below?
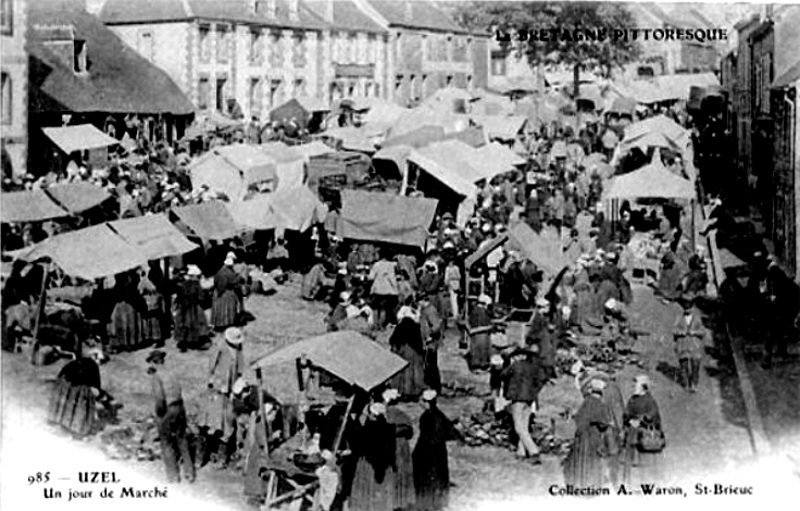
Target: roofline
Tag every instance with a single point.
(430, 29)
(761, 30)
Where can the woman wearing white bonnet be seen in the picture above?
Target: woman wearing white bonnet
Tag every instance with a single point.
(641, 464)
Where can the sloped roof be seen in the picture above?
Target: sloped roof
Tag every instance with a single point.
(78, 138)
(459, 156)
(79, 196)
(208, 220)
(90, 253)
(355, 359)
(387, 217)
(154, 235)
(29, 206)
(658, 124)
(504, 127)
(295, 209)
(445, 172)
(127, 11)
(494, 159)
(118, 80)
(419, 137)
(652, 181)
(424, 15)
(346, 16)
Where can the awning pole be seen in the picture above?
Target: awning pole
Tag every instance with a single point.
(340, 434)
(40, 309)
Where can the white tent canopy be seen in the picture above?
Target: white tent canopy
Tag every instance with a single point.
(81, 137)
(652, 181)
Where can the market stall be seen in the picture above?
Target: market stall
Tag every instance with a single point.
(350, 363)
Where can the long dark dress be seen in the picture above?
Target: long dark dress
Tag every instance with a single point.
(72, 402)
(406, 341)
(153, 316)
(641, 467)
(373, 481)
(190, 320)
(584, 466)
(403, 468)
(126, 321)
(479, 344)
(225, 304)
(431, 468)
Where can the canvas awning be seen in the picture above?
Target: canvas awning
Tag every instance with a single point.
(29, 206)
(649, 139)
(416, 118)
(395, 153)
(387, 217)
(544, 249)
(254, 213)
(495, 159)
(80, 137)
(315, 148)
(657, 124)
(419, 137)
(208, 220)
(351, 357)
(652, 181)
(91, 253)
(444, 172)
(502, 127)
(460, 157)
(154, 235)
(233, 169)
(78, 197)
(295, 209)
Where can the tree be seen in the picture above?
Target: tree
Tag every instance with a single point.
(569, 28)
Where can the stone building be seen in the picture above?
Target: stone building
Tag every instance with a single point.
(246, 55)
(354, 51)
(14, 111)
(428, 50)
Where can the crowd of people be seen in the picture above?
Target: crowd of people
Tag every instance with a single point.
(419, 299)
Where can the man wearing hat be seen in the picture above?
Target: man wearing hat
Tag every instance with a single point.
(690, 338)
(170, 419)
(227, 366)
(524, 378)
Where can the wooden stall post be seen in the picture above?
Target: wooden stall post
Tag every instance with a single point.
(340, 434)
(267, 428)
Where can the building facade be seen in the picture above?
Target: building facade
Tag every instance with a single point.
(259, 53)
(14, 111)
(428, 50)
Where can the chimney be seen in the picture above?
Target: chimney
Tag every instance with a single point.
(94, 7)
(328, 16)
(294, 7)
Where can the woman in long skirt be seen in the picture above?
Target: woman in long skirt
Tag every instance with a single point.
(585, 465)
(403, 468)
(73, 399)
(479, 343)
(373, 481)
(431, 466)
(226, 303)
(406, 341)
(190, 319)
(641, 413)
(153, 316)
(125, 328)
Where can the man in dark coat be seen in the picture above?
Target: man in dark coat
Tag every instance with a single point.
(431, 467)
(170, 420)
(524, 379)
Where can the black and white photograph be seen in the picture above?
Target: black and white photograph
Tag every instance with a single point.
(399, 255)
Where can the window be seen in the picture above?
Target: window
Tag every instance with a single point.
(299, 50)
(205, 43)
(255, 96)
(352, 48)
(203, 94)
(299, 87)
(372, 48)
(7, 17)
(498, 65)
(274, 93)
(145, 44)
(7, 99)
(79, 60)
(221, 82)
(223, 43)
(256, 47)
